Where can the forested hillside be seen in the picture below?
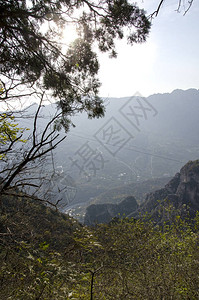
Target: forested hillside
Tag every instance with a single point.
(90, 206)
(47, 255)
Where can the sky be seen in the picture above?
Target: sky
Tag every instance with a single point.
(169, 59)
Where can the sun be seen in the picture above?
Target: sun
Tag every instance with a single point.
(69, 34)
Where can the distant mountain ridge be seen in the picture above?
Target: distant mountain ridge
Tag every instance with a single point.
(167, 139)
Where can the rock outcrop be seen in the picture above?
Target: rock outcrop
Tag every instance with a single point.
(104, 213)
(182, 192)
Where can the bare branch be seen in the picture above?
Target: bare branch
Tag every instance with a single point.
(10, 146)
(156, 12)
(189, 6)
(40, 147)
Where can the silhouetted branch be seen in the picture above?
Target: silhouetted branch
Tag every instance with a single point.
(41, 146)
(156, 12)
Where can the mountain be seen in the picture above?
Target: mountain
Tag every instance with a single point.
(180, 195)
(137, 140)
(104, 213)
(116, 195)
(182, 192)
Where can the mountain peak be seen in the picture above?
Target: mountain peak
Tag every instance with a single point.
(181, 191)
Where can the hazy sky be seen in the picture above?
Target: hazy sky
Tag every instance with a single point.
(167, 61)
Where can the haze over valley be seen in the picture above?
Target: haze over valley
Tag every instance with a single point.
(139, 140)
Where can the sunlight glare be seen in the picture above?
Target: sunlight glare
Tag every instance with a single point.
(69, 34)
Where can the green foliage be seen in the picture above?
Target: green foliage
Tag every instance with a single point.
(47, 255)
(9, 133)
(9, 130)
(36, 62)
(33, 239)
(32, 55)
(147, 262)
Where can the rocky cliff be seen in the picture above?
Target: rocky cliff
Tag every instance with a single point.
(182, 193)
(104, 213)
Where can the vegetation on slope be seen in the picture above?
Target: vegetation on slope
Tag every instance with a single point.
(47, 255)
